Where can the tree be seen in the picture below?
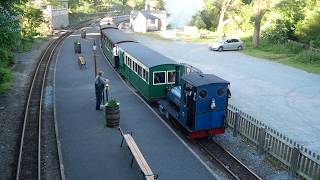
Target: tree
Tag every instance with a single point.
(136, 4)
(224, 6)
(31, 19)
(157, 4)
(259, 7)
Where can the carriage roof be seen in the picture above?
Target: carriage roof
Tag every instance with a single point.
(117, 36)
(145, 55)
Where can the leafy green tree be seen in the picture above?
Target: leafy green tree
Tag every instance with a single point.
(199, 22)
(225, 4)
(136, 4)
(31, 19)
(157, 4)
(291, 11)
(308, 29)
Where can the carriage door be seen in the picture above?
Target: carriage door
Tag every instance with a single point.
(191, 106)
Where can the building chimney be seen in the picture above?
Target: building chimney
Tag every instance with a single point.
(147, 8)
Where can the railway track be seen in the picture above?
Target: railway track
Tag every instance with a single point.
(234, 167)
(29, 162)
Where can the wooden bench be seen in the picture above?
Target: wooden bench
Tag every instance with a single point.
(137, 155)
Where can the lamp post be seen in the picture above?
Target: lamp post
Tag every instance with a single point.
(94, 49)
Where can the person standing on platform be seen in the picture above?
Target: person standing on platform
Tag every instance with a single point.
(116, 56)
(99, 84)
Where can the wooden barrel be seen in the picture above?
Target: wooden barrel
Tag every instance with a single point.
(112, 116)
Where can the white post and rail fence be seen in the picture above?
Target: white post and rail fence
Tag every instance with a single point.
(301, 162)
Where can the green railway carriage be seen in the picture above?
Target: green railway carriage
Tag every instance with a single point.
(148, 71)
(110, 36)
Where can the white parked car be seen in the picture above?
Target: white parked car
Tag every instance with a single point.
(227, 44)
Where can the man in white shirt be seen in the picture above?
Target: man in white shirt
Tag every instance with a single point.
(116, 57)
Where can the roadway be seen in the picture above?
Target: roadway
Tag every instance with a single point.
(286, 98)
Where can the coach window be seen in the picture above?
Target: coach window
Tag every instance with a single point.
(144, 74)
(147, 76)
(140, 71)
(159, 77)
(130, 63)
(171, 77)
(135, 67)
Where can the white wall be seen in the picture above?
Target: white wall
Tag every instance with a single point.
(139, 24)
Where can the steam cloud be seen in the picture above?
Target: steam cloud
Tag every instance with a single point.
(181, 11)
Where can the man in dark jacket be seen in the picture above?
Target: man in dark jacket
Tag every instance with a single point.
(99, 84)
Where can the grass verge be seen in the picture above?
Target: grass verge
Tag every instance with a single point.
(289, 53)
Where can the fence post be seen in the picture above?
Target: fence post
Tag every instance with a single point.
(261, 140)
(294, 161)
(235, 125)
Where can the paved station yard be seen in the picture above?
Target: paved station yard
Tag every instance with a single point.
(286, 98)
(92, 151)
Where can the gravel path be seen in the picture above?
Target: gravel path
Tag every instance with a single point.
(11, 117)
(283, 97)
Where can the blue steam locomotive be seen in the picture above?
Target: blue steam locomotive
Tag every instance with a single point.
(198, 103)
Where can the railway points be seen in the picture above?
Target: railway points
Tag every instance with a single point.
(89, 149)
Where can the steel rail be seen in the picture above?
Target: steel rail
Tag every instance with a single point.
(32, 118)
(236, 168)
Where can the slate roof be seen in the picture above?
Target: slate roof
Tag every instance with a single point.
(197, 79)
(145, 55)
(117, 36)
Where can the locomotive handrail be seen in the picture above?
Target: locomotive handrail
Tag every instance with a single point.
(191, 68)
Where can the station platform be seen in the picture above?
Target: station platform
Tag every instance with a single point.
(90, 150)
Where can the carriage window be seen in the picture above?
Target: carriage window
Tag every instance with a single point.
(147, 76)
(171, 77)
(221, 92)
(140, 71)
(143, 74)
(159, 78)
(135, 67)
(203, 93)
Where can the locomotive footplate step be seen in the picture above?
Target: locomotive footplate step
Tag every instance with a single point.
(92, 151)
(165, 106)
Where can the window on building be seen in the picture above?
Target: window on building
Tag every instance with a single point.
(159, 77)
(171, 77)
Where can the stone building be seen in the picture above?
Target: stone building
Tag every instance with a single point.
(57, 15)
(148, 20)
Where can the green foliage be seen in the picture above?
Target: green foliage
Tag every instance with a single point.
(112, 103)
(276, 33)
(6, 58)
(5, 78)
(9, 28)
(31, 19)
(291, 12)
(90, 6)
(308, 57)
(198, 21)
(309, 28)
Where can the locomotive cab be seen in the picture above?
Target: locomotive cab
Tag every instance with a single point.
(201, 102)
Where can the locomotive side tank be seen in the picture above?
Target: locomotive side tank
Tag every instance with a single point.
(199, 104)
